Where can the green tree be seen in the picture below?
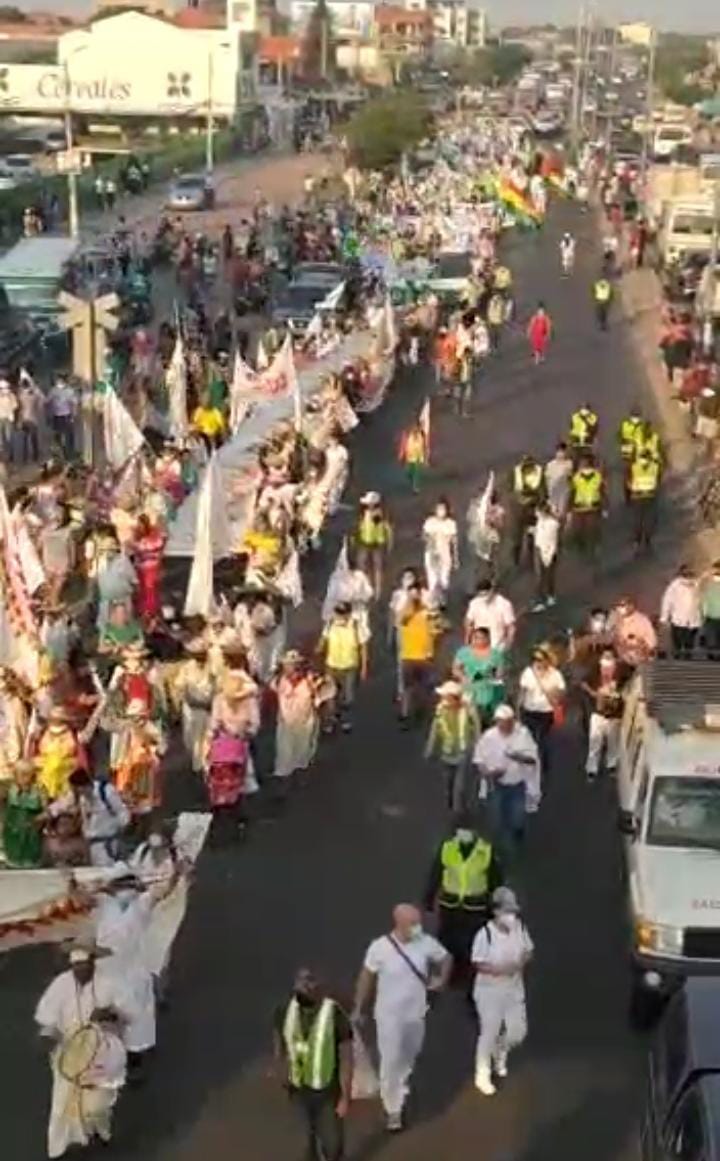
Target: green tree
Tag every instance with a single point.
(679, 60)
(11, 15)
(493, 65)
(318, 46)
(384, 128)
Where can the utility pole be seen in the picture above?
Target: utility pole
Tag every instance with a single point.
(577, 77)
(73, 214)
(324, 44)
(210, 126)
(88, 320)
(649, 105)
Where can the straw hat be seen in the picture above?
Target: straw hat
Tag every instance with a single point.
(449, 689)
(136, 649)
(370, 499)
(58, 715)
(82, 949)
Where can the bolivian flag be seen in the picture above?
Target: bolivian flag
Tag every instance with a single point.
(518, 203)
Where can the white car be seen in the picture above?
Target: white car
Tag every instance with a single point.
(21, 166)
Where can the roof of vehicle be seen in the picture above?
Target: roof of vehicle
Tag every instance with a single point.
(683, 707)
(36, 256)
(191, 179)
(701, 999)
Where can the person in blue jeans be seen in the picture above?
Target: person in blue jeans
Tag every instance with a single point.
(508, 764)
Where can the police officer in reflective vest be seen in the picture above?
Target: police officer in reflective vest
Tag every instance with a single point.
(628, 435)
(313, 1044)
(602, 294)
(643, 484)
(647, 441)
(583, 428)
(528, 489)
(587, 497)
(464, 873)
(373, 539)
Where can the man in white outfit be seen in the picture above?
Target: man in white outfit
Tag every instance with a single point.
(500, 951)
(401, 968)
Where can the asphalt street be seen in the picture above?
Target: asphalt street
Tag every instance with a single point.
(317, 883)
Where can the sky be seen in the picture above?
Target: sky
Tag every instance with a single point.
(688, 16)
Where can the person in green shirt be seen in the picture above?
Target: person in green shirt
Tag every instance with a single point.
(710, 609)
(120, 630)
(479, 667)
(217, 389)
(22, 809)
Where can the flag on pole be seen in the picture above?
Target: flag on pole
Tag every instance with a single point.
(333, 299)
(262, 361)
(123, 438)
(337, 584)
(424, 425)
(213, 540)
(241, 388)
(281, 378)
(176, 384)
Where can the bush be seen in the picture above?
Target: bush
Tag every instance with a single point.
(383, 129)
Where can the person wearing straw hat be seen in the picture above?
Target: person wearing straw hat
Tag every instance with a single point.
(297, 717)
(193, 690)
(84, 1012)
(500, 952)
(232, 724)
(136, 760)
(453, 733)
(58, 754)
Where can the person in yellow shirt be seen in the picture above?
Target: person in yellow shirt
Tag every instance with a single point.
(345, 656)
(209, 423)
(417, 634)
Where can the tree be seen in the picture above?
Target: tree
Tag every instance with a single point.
(385, 127)
(493, 65)
(679, 62)
(11, 15)
(318, 48)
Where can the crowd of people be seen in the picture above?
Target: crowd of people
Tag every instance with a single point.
(121, 686)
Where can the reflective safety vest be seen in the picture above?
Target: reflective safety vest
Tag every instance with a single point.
(528, 481)
(644, 478)
(311, 1058)
(465, 880)
(603, 290)
(582, 426)
(587, 491)
(649, 444)
(372, 533)
(629, 433)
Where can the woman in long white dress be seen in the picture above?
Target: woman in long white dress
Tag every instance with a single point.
(297, 718)
(194, 690)
(440, 536)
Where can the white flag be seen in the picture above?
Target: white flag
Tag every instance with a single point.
(32, 569)
(123, 438)
(337, 585)
(213, 539)
(241, 389)
(176, 383)
(289, 580)
(333, 299)
(262, 361)
(281, 378)
(483, 507)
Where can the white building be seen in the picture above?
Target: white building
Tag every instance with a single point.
(136, 65)
(350, 18)
(459, 22)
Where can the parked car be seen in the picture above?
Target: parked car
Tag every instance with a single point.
(20, 166)
(191, 191)
(681, 1117)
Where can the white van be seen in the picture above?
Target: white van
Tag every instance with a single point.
(687, 227)
(667, 138)
(669, 797)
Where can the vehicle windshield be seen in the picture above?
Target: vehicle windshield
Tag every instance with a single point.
(672, 134)
(453, 266)
(303, 297)
(693, 224)
(685, 812)
(189, 183)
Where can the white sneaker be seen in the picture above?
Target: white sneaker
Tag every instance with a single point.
(550, 602)
(501, 1064)
(538, 607)
(483, 1080)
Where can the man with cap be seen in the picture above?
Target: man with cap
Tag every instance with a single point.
(464, 873)
(84, 1004)
(313, 1041)
(373, 539)
(453, 733)
(501, 949)
(508, 762)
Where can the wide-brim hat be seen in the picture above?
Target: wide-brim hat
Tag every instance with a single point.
(83, 948)
(505, 900)
(136, 649)
(370, 498)
(449, 689)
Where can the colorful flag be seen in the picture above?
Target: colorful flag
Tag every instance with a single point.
(123, 438)
(176, 384)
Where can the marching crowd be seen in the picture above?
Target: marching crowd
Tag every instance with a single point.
(121, 686)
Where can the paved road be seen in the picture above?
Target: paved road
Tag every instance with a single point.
(318, 882)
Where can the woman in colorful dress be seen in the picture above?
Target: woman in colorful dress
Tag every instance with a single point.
(148, 549)
(137, 762)
(232, 723)
(23, 806)
(58, 754)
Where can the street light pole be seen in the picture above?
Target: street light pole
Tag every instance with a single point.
(210, 127)
(73, 211)
(649, 105)
(577, 76)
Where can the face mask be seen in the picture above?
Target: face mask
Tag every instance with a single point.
(416, 931)
(464, 837)
(508, 920)
(125, 897)
(155, 841)
(597, 624)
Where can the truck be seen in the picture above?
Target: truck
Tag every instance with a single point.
(665, 182)
(687, 228)
(668, 787)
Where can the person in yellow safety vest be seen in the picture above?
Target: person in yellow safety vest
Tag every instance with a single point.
(373, 539)
(602, 294)
(583, 428)
(643, 486)
(463, 875)
(313, 1047)
(587, 499)
(528, 489)
(628, 433)
(647, 441)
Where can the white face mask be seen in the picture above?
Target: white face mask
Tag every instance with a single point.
(125, 897)
(507, 920)
(415, 931)
(464, 836)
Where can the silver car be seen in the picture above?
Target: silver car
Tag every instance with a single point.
(191, 191)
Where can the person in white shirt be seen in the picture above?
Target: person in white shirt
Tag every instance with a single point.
(337, 468)
(500, 952)
(401, 968)
(31, 403)
(546, 536)
(78, 1000)
(8, 409)
(681, 610)
(567, 253)
(508, 763)
(103, 814)
(440, 536)
(490, 610)
(541, 693)
(558, 473)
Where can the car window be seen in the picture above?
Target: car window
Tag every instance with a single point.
(686, 1137)
(685, 812)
